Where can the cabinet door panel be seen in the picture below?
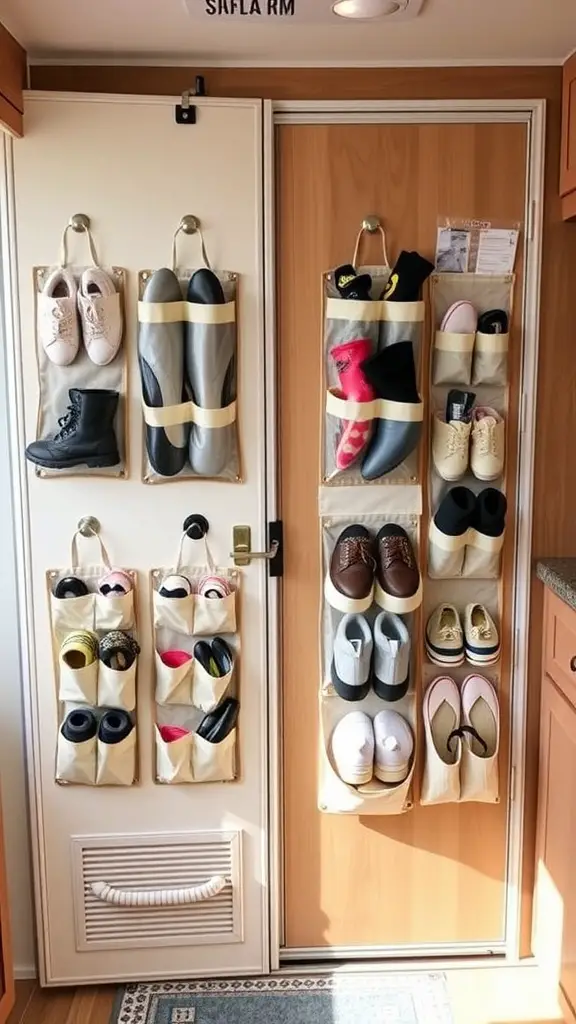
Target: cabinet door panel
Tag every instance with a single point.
(557, 831)
(568, 158)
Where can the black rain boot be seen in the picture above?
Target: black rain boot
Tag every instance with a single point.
(86, 436)
(392, 374)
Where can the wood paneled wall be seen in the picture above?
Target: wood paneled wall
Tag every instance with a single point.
(12, 82)
(554, 531)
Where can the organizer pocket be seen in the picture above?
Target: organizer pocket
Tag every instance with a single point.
(479, 778)
(117, 689)
(114, 612)
(214, 762)
(214, 614)
(445, 553)
(175, 613)
(76, 762)
(78, 684)
(208, 691)
(401, 321)
(174, 684)
(174, 760)
(483, 556)
(440, 783)
(71, 613)
(117, 762)
(490, 359)
(452, 358)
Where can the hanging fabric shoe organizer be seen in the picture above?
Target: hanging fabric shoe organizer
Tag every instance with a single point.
(95, 653)
(187, 355)
(82, 417)
(195, 615)
(372, 339)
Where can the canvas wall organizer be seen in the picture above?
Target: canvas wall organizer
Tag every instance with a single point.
(373, 326)
(82, 421)
(195, 606)
(95, 654)
(468, 474)
(187, 346)
(370, 509)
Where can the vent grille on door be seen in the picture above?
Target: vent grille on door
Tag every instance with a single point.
(156, 862)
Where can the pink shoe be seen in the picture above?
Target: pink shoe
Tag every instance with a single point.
(353, 388)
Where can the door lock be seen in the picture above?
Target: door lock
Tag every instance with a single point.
(242, 544)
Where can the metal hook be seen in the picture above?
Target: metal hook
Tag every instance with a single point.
(196, 526)
(79, 222)
(89, 526)
(189, 224)
(371, 224)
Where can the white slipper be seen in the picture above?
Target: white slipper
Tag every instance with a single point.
(57, 318)
(101, 315)
(393, 747)
(441, 711)
(481, 740)
(352, 746)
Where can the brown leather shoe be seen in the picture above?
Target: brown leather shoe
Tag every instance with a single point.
(349, 585)
(398, 584)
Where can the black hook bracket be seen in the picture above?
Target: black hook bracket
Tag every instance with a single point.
(196, 526)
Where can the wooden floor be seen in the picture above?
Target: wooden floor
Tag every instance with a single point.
(494, 995)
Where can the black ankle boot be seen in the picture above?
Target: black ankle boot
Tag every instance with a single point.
(86, 436)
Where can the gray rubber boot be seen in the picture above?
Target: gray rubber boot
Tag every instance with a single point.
(210, 352)
(161, 355)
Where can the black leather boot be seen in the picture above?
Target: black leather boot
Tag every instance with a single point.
(86, 436)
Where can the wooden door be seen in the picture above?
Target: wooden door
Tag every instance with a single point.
(556, 850)
(435, 875)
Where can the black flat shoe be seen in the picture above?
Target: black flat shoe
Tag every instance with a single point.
(217, 725)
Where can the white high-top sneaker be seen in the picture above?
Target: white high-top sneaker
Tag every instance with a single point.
(450, 446)
(487, 449)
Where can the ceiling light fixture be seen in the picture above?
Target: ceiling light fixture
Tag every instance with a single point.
(364, 10)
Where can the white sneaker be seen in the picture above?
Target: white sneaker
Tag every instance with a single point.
(441, 711)
(352, 746)
(393, 747)
(481, 730)
(445, 636)
(101, 315)
(487, 449)
(57, 318)
(481, 639)
(450, 447)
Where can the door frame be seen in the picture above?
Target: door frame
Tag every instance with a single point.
(533, 114)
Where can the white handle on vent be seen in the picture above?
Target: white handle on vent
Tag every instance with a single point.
(158, 897)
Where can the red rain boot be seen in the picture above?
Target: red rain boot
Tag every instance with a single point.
(354, 387)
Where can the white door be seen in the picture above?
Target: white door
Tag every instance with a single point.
(126, 164)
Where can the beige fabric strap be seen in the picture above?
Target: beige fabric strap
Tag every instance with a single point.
(64, 246)
(447, 341)
(380, 408)
(202, 248)
(376, 311)
(492, 342)
(492, 545)
(188, 412)
(199, 545)
(187, 312)
(444, 541)
(74, 551)
(359, 238)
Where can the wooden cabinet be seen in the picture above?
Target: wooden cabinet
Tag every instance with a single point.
(568, 152)
(12, 82)
(555, 920)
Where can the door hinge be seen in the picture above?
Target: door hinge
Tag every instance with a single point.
(276, 533)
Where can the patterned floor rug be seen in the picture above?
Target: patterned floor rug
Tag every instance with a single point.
(314, 999)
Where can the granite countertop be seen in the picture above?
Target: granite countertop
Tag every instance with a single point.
(560, 575)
